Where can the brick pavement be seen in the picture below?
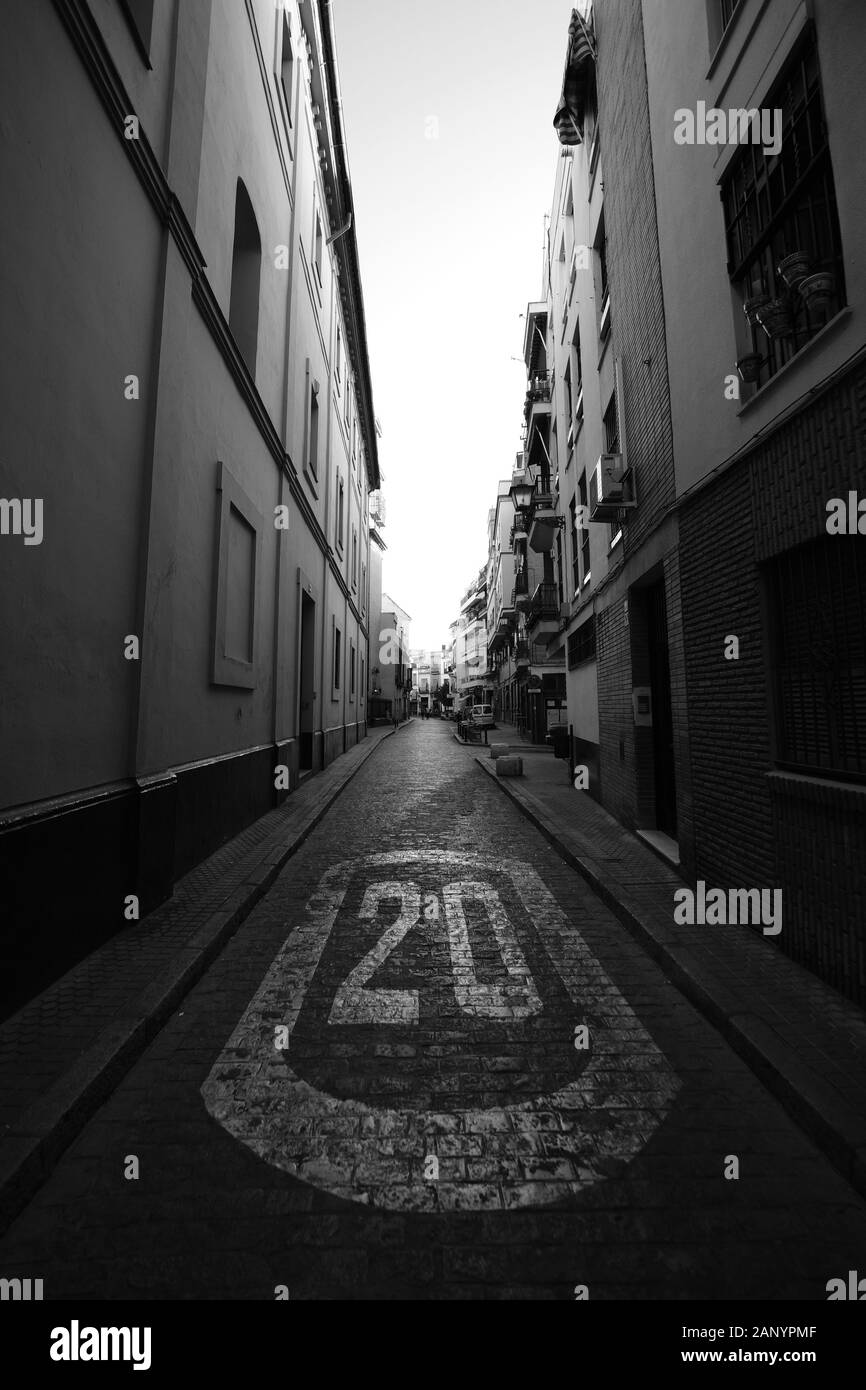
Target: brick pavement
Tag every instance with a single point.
(62, 1050)
(805, 1040)
(300, 1166)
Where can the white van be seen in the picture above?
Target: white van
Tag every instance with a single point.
(481, 716)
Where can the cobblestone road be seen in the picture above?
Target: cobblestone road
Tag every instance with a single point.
(432, 1064)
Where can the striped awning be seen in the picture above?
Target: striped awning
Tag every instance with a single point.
(580, 55)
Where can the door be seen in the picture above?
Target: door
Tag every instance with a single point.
(662, 712)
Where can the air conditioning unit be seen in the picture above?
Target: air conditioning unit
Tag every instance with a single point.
(611, 487)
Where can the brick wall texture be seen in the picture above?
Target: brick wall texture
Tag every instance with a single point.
(752, 825)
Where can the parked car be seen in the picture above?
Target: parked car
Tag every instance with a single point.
(481, 717)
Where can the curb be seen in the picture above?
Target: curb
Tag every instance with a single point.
(39, 1137)
(837, 1130)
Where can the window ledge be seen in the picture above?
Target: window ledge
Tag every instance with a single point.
(820, 788)
(312, 481)
(827, 331)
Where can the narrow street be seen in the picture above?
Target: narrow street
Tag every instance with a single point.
(431, 1064)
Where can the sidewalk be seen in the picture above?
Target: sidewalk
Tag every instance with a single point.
(64, 1052)
(805, 1042)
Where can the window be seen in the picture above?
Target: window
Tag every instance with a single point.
(246, 278)
(239, 549)
(611, 446)
(363, 589)
(575, 545)
(363, 681)
(139, 16)
(559, 563)
(313, 451)
(776, 206)
(347, 405)
(285, 69)
(317, 245)
(611, 426)
(341, 506)
(604, 286)
(354, 558)
(726, 11)
(584, 530)
(817, 627)
(351, 670)
(569, 402)
(338, 354)
(338, 656)
(581, 644)
(578, 360)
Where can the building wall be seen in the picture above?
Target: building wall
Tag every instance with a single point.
(705, 325)
(754, 474)
(754, 823)
(647, 551)
(127, 773)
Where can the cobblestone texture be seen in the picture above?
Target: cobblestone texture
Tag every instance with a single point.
(209, 1217)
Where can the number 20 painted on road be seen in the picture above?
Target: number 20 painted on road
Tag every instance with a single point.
(354, 1003)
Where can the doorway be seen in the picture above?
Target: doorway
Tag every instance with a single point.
(662, 711)
(306, 683)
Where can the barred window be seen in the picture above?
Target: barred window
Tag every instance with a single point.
(581, 644)
(817, 615)
(780, 205)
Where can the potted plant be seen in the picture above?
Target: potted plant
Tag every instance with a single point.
(750, 366)
(819, 288)
(753, 304)
(775, 317)
(794, 269)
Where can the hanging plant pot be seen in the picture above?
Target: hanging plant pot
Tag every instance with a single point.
(753, 305)
(794, 269)
(749, 367)
(776, 318)
(818, 289)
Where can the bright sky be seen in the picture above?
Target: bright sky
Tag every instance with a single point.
(450, 234)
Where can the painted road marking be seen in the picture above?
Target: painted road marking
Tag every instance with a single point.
(353, 1002)
(527, 1152)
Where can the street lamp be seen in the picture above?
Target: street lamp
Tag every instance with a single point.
(521, 492)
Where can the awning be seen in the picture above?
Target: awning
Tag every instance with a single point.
(568, 121)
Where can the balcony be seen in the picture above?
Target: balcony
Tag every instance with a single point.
(543, 616)
(543, 523)
(539, 393)
(523, 654)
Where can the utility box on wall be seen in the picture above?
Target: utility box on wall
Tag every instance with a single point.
(642, 705)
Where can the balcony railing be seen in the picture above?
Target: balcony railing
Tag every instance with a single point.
(545, 603)
(539, 392)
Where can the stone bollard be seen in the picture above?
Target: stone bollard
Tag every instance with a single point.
(498, 750)
(509, 767)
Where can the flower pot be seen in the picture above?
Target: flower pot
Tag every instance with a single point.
(794, 269)
(775, 318)
(752, 305)
(749, 367)
(818, 289)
